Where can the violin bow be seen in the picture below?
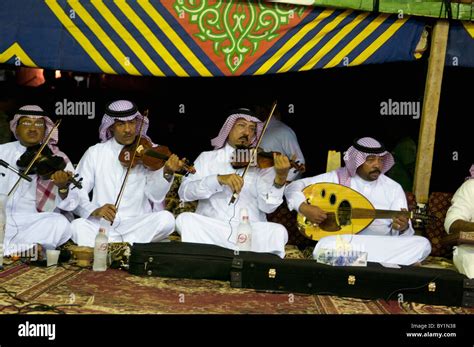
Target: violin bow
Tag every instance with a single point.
(30, 165)
(254, 151)
(129, 168)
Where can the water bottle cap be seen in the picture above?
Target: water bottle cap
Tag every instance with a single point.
(244, 212)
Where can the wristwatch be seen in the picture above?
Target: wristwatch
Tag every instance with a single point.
(63, 190)
(168, 176)
(278, 186)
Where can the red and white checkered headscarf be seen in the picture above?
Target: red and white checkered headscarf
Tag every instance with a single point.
(45, 189)
(220, 140)
(357, 154)
(121, 110)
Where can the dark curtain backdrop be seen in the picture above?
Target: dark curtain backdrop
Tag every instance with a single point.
(326, 108)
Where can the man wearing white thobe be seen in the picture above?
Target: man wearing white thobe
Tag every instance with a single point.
(215, 181)
(460, 217)
(32, 210)
(103, 174)
(385, 240)
(279, 137)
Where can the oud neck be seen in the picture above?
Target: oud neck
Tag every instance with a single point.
(379, 214)
(386, 214)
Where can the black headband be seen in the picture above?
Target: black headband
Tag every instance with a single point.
(242, 110)
(30, 113)
(121, 114)
(371, 150)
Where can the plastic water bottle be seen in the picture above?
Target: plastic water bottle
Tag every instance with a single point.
(244, 232)
(100, 250)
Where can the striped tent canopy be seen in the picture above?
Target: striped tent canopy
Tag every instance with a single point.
(198, 38)
(460, 50)
(450, 9)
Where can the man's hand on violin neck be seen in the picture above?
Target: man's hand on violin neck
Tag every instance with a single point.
(234, 181)
(107, 212)
(282, 167)
(173, 164)
(61, 178)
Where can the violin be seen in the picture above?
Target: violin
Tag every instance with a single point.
(150, 156)
(263, 160)
(45, 165)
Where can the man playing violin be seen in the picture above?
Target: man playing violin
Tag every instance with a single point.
(140, 216)
(32, 209)
(385, 240)
(215, 182)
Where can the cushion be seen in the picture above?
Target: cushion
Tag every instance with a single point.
(438, 205)
(411, 201)
(172, 201)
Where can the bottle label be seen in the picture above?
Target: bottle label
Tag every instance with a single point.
(103, 247)
(242, 238)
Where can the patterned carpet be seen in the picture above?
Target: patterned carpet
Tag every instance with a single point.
(69, 289)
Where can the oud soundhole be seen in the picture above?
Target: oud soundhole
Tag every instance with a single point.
(332, 199)
(344, 213)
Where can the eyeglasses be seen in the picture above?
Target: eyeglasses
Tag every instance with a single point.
(29, 124)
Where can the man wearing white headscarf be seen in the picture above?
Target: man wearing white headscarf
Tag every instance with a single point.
(32, 210)
(103, 174)
(215, 181)
(385, 240)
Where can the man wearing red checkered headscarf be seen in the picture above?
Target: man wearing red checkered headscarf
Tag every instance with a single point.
(140, 216)
(32, 210)
(385, 240)
(215, 181)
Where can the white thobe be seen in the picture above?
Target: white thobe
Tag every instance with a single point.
(135, 220)
(462, 205)
(26, 226)
(379, 240)
(215, 220)
(279, 137)
(462, 208)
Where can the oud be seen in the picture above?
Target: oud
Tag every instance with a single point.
(348, 212)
